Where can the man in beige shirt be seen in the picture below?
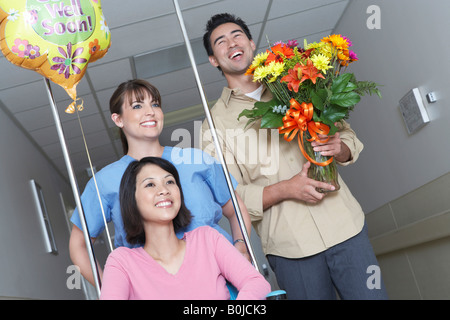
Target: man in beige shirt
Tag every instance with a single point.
(316, 243)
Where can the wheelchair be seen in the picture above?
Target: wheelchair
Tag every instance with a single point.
(274, 295)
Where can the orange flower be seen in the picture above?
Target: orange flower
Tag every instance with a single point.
(307, 53)
(337, 41)
(278, 53)
(343, 56)
(250, 71)
(310, 72)
(293, 78)
(93, 47)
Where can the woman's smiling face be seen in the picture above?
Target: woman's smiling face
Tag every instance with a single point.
(157, 194)
(140, 118)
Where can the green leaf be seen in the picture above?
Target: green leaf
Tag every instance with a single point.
(350, 87)
(333, 113)
(345, 99)
(333, 128)
(262, 108)
(249, 122)
(317, 101)
(263, 111)
(316, 117)
(364, 87)
(272, 120)
(325, 94)
(340, 83)
(259, 109)
(247, 113)
(320, 98)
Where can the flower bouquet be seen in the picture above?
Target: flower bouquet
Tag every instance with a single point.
(311, 94)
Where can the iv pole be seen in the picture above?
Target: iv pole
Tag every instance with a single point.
(74, 185)
(214, 136)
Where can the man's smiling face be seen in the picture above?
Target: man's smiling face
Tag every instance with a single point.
(232, 49)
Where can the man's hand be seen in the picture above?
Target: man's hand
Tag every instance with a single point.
(299, 187)
(334, 147)
(304, 188)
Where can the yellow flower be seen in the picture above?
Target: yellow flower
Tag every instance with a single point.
(259, 59)
(326, 50)
(260, 73)
(275, 69)
(321, 62)
(313, 45)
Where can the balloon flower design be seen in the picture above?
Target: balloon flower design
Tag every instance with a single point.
(56, 38)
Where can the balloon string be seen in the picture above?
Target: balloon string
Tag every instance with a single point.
(95, 181)
(73, 107)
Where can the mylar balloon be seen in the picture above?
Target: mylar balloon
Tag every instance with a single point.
(56, 38)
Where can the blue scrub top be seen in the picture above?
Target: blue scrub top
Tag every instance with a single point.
(202, 179)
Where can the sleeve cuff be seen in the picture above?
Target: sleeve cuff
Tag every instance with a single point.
(252, 195)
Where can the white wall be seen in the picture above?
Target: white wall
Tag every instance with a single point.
(402, 180)
(410, 50)
(26, 270)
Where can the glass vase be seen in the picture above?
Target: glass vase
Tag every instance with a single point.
(327, 174)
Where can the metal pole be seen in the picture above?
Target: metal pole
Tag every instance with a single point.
(214, 136)
(74, 185)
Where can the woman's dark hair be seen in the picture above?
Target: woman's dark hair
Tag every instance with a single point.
(132, 220)
(138, 88)
(216, 21)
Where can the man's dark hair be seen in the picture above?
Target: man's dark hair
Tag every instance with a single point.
(218, 20)
(132, 220)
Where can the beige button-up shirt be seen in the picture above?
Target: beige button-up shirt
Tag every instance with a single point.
(260, 157)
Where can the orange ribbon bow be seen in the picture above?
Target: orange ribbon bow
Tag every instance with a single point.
(299, 118)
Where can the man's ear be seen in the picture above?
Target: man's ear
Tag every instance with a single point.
(213, 61)
(117, 120)
(253, 45)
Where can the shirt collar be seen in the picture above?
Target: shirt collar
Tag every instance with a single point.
(237, 92)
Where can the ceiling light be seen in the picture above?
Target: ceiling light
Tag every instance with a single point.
(155, 63)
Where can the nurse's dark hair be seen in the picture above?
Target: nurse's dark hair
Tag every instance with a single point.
(132, 220)
(137, 88)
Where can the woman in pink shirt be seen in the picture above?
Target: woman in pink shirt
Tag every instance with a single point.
(166, 267)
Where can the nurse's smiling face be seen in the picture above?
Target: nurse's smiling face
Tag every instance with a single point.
(140, 119)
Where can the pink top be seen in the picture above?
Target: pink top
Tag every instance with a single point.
(209, 259)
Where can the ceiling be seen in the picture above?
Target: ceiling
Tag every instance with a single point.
(142, 31)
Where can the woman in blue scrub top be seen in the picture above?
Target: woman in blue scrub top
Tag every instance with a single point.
(136, 109)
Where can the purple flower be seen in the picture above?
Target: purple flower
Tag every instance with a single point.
(352, 56)
(349, 42)
(67, 60)
(32, 51)
(292, 43)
